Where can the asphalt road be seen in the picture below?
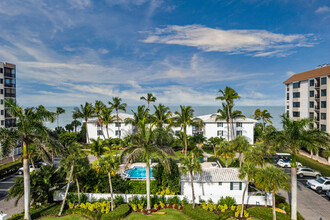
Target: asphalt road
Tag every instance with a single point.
(311, 205)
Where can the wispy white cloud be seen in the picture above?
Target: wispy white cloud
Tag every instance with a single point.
(290, 73)
(323, 9)
(253, 42)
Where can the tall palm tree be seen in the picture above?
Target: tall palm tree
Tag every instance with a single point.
(118, 105)
(275, 179)
(295, 135)
(240, 144)
(8, 141)
(236, 114)
(192, 166)
(75, 123)
(143, 145)
(110, 165)
(139, 115)
(225, 149)
(162, 115)
(149, 98)
(84, 112)
(185, 118)
(257, 154)
(262, 115)
(106, 118)
(81, 167)
(228, 95)
(59, 111)
(30, 129)
(72, 153)
(214, 141)
(97, 147)
(99, 105)
(248, 172)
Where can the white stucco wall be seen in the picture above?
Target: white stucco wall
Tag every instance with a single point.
(304, 104)
(93, 128)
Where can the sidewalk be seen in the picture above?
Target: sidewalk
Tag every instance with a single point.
(318, 158)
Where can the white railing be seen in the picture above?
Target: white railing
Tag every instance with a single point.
(250, 200)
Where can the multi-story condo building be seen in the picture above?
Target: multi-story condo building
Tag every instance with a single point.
(307, 96)
(7, 91)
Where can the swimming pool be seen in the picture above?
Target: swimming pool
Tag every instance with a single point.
(138, 172)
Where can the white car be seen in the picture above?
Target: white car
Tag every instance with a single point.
(286, 163)
(37, 166)
(320, 184)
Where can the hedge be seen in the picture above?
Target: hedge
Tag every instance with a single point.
(10, 168)
(120, 212)
(199, 213)
(85, 212)
(266, 213)
(52, 209)
(308, 162)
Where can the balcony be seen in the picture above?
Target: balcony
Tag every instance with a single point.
(10, 85)
(317, 85)
(317, 96)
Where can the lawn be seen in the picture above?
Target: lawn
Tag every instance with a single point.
(179, 155)
(67, 217)
(171, 214)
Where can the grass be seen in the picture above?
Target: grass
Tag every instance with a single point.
(171, 214)
(67, 217)
(179, 155)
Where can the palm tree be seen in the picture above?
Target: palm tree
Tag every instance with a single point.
(295, 135)
(81, 167)
(69, 127)
(59, 111)
(225, 149)
(8, 141)
(99, 105)
(117, 105)
(30, 129)
(234, 115)
(192, 166)
(97, 147)
(228, 95)
(162, 115)
(139, 115)
(214, 141)
(84, 112)
(110, 165)
(248, 172)
(75, 123)
(143, 145)
(274, 179)
(185, 118)
(240, 144)
(72, 153)
(262, 115)
(257, 153)
(149, 98)
(106, 118)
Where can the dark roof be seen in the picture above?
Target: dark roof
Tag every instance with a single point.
(309, 74)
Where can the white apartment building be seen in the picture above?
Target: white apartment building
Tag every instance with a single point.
(212, 128)
(307, 96)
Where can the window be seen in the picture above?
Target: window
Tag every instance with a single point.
(287, 88)
(117, 124)
(296, 85)
(235, 186)
(99, 132)
(311, 82)
(323, 116)
(1, 91)
(1, 101)
(311, 115)
(287, 96)
(287, 107)
(117, 133)
(323, 104)
(238, 133)
(98, 125)
(311, 93)
(219, 124)
(311, 104)
(296, 104)
(219, 133)
(1, 112)
(323, 80)
(323, 127)
(220, 183)
(323, 92)
(1, 70)
(1, 81)
(2, 122)
(238, 124)
(296, 94)
(296, 114)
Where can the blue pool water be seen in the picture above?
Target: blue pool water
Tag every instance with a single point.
(138, 172)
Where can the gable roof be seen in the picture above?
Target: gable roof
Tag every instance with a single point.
(309, 74)
(215, 175)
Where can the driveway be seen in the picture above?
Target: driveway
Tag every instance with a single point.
(311, 205)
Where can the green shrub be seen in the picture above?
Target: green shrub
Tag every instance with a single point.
(85, 212)
(134, 200)
(118, 200)
(154, 200)
(10, 168)
(184, 201)
(120, 212)
(139, 187)
(199, 213)
(212, 159)
(266, 213)
(229, 201)
(279, 199)
(38, 212)
(308, 162)
(73, 198)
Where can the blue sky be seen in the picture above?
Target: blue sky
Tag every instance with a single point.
(69, 52)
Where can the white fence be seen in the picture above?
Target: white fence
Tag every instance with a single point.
(251, 200)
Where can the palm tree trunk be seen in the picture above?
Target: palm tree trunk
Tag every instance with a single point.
(240, 159)
(57, 119)
(26, 167)
(148, 185)
(214, 151)
(107, 128)
(312, 154)
(227, 129)
(103, 132)
(67, 189)
(78, 190)
(192, 189)
(274, 208)
(32, 163)
(245, 188)
(226, 162)
(185, 142)
(266, 196)
(110, 185)
(293, 193)
(228, 118)
(87, 137)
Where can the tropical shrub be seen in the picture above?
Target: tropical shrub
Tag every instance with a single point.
(139, 187)
(73, 198)
(229, 201)
(38, 212)
(119, 213)
(199, 213)
(85, 212)
(118, 200)
(9, 168)
(167, 182)
(266, 213)
(101, 207)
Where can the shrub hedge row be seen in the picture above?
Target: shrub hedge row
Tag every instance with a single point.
(52, 209)
(9, 168)
(308, 162)
(266, 213)
(119, 213)
(85, 212)
(199, 213)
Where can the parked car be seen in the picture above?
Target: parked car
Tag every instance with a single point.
(328, 194)
(37, 166)
(287, 163)
(303, 171)
(320, 184)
